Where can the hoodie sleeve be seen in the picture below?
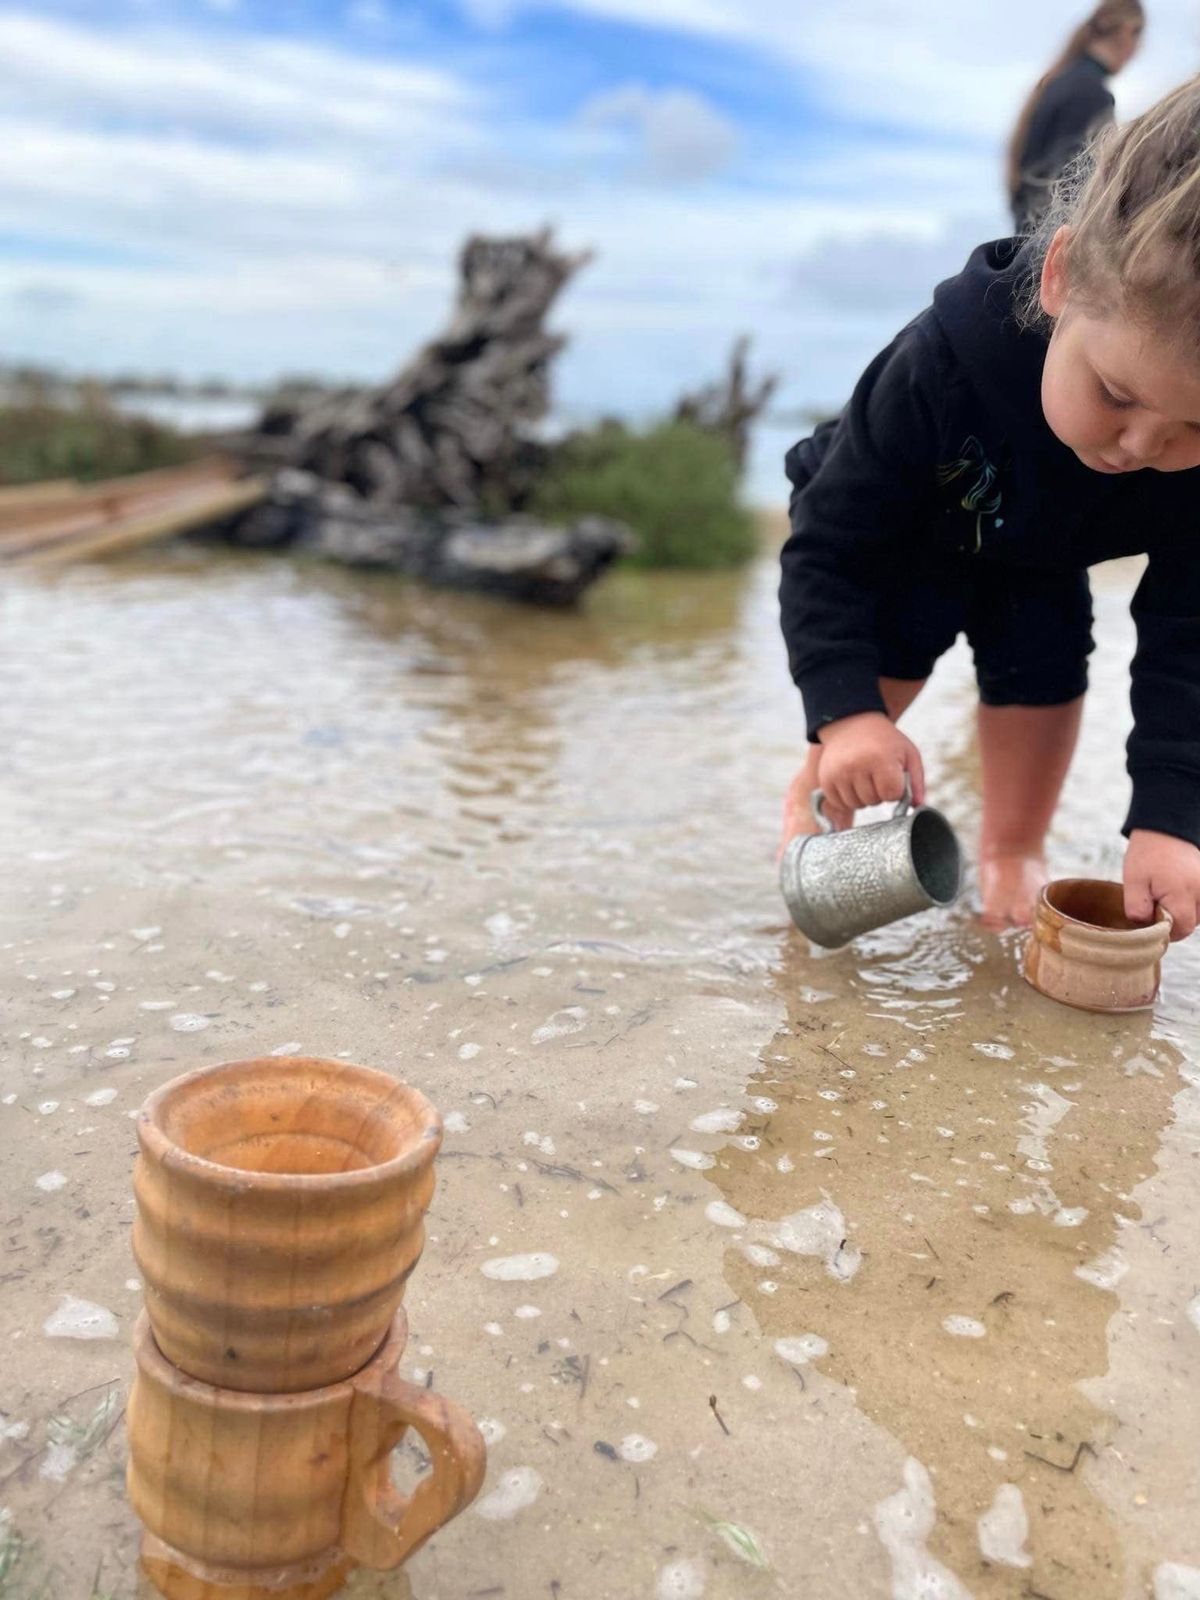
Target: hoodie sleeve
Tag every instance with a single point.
(1164, 747)
(870, 491)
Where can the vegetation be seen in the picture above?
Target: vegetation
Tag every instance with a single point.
(675, 485)
(42, 440)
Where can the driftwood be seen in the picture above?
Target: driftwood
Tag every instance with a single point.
(731, 405)
(455, 428)
(518, 557)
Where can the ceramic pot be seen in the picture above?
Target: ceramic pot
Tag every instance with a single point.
(280, 1496)
(1086, 952)
(280, 1210)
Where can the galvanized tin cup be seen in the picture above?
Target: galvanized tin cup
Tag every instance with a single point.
(838, 885)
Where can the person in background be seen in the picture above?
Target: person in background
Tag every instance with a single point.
(1069, 105)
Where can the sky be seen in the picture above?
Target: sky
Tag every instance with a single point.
(244, 188)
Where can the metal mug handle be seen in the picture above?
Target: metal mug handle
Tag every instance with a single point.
(903, 806)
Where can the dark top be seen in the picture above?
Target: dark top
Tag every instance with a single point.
(944, 447)
(1073, 106)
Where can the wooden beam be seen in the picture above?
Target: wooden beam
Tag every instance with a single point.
(189, 510)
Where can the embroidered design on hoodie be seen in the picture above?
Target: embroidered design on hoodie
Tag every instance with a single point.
(982, 497)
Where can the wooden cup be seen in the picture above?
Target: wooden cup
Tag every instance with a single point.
(1085, 952)
(280, 1496)
(280, 1210)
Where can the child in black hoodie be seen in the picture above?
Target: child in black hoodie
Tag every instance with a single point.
(1042, 415)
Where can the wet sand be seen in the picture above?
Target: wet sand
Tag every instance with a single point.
(877, 1255)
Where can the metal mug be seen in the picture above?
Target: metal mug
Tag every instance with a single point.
(838, 885)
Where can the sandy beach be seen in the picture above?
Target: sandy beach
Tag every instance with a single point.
(878, 1255)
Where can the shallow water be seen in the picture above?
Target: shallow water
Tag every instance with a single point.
(877, 1255)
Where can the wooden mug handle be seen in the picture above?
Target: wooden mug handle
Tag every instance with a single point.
(380, 1526)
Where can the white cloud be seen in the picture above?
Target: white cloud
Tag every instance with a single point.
(682, 135)
(246, 204)
(939, 66)
(237, 83)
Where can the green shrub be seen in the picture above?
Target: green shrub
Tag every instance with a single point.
(91, 441)
(674, 485)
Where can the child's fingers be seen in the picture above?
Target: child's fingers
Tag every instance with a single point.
(1182, 909)
(1139, 902)
(866, 789)
(916, 771)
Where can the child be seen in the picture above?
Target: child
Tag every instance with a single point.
(1042, 415)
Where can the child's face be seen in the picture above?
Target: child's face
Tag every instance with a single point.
(1118, 395)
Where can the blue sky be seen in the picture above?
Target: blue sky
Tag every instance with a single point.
(245, 187)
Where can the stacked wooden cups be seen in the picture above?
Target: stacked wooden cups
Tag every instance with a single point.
(280, 1211)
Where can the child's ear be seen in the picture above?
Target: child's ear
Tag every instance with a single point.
(1054, 285)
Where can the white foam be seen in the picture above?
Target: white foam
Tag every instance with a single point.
(1173, 1582)
(80, 1319)
(468, 1052)
(761, 1255)
(698, 1160)
(1070, 1216)
(903, 1522)
(57, 1462)
(802, 1348)
(517, 1490)
(1004, 1527)
(724, 1215)
(1106, 1271)
(1042, 1115)
(569, 1020)
(819, 1230)
(189, 1022)
(492, 1429)
(645, 1108)
(681, 1580)
(50, 1181)
(527, 1313)
(521, 1269)
(100, 1097)
(997, 1052)
(723, 1120)
(964, 1327)
(636, 1447)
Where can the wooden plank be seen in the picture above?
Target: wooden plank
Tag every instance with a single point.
(94, 504)
(20, 494)
(191, 510)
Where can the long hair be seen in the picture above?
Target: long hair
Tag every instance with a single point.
(1131, 208)
(1105, 20)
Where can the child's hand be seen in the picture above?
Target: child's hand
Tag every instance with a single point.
(1161, 870)
(863, 762)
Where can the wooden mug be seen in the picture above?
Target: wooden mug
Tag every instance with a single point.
(280, 1496)
(280, 1210)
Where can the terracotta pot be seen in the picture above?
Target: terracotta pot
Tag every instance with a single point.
(280, 1496)
(280, 1208)
(1087, 953)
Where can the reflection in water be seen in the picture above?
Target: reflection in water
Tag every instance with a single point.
(982, 1146)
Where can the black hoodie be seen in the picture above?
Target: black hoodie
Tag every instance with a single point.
(944, 447)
